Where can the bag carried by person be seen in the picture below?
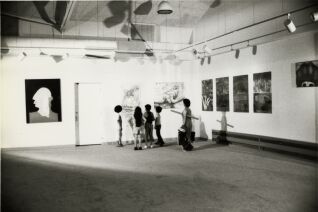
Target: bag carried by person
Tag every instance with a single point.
(182, 140)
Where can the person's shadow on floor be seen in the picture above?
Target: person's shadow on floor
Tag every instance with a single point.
(208, 146)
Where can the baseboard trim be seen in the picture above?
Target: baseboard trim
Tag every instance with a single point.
(270, 143)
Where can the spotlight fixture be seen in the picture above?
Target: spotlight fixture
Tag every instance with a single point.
(289, 24)
(22, 55)
(194, 52)
(314, 16)
(164, 8)
(209, 60)
(202, 61)
(207, 49)
(237, 53)
(254, 50)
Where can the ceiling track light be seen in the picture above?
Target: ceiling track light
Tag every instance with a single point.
(164, 8)
(314, 16)
(237, 53)
(22, 55)
(289, 24)
(254, 50)
(207, 49)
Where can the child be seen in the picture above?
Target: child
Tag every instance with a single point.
(158, 126)
(118, 109)
(148, 125)
(138, 122)
(186, 119)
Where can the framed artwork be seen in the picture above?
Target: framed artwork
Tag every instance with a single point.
(169, 94)
(43, 100)
(262, 92)
(240, 93)
(207, 95)
(222, 94)
(307, 74)
(131, 98)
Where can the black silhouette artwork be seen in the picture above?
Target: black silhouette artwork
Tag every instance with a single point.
(43, 100)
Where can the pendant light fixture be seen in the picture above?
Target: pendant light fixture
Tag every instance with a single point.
(164, 8)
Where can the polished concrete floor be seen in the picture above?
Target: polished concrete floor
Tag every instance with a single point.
(107, 178)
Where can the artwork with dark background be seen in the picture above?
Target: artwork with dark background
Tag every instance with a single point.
(207, 95)
(43, 100)
(169, 94)
(222, 94)
(307, 74)
(262, 92)
(240, 93)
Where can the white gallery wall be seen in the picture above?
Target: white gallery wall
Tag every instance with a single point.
(294, 110)
(113, 76)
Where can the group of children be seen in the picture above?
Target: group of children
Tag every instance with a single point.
(142, 125)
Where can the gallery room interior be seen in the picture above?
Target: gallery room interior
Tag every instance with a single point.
(232, 86)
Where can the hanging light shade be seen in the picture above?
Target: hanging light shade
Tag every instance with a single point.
(164, 8)
(289, 24)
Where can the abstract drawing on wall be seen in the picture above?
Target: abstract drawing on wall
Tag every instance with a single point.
(169, 94)
(307, 74)
(207, 95)
(43, 100)
(262, 92)
(240, 93)
(222, 94)
(130, 100)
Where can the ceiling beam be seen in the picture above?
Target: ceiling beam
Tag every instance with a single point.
(68, 14)
(27, 19)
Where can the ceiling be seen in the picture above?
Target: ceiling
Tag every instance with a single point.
(107, 20)
(185, 14)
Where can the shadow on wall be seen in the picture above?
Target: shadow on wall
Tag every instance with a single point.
(316, 93)
(203, 134)
(215, 4)
(221, 139)
(316, 43)
(60, 11)
(9, 27)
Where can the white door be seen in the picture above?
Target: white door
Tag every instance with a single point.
(88, 113)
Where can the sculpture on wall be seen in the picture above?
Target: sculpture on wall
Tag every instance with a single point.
(43, 100)
(222, 94)
(207, 95)
(169, 94)
(262, 92)
(240, 93)
(307, 74)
